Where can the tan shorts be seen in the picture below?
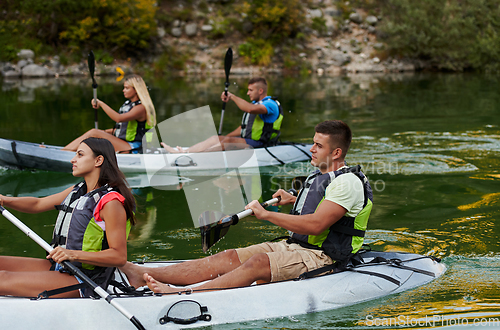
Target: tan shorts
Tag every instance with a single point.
(287, 261)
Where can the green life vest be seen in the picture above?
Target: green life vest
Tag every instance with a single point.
(345, 237)
(253, 127)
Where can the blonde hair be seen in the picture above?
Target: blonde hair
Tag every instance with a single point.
(142, 92)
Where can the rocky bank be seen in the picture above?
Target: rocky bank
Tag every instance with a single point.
(349, 46)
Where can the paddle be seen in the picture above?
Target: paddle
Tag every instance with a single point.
(91, 63)
(228, 61)
(71, 268)
(213, 232)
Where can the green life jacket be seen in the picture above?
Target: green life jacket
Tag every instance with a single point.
(76, 228)
(253, 127)
(345, 237)
(131, 131)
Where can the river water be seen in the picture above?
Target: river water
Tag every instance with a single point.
(429, 143)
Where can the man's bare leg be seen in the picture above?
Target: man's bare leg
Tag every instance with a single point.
(210, 144)
(185, 273)
(257, 268)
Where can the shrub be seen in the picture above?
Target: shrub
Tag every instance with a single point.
(256, 51)
(451, 34)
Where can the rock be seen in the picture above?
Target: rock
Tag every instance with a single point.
(34, 70)
(355, 18)
(340, 59)
(207, 28)
(372, 30)
(26, 53)
(378, 46)
(356, 50)
(11, 74)
(161, 32)
(315, 13)
(334, 12)
(371, 20)
(21, 64)
(176, 32)
(376, 60)
(176, 23)
(191, 29)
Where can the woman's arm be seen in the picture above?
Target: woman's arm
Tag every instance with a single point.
(34, 204)
(136, 113)
(113, 213)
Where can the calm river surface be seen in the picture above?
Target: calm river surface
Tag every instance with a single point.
(430, 145)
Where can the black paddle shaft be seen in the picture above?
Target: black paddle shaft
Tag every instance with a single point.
(91, 63)
(228, 62)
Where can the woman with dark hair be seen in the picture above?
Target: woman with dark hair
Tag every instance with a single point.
(136, 116)
(95, 217)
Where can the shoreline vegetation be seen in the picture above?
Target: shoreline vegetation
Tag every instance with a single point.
(190, 37)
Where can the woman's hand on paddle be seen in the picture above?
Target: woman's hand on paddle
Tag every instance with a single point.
(95, 103)
(286, 197)
(60, 254)
(258, 210)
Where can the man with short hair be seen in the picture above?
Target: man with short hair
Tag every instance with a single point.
(260, 126)
(327, 225)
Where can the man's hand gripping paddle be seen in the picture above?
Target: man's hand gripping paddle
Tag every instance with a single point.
(211, 233)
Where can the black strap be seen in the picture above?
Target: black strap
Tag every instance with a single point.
(49, 293)
(279, 160)
(347, 230)
(16, 155)
(305, 153)
(339, 267)
(65, 208)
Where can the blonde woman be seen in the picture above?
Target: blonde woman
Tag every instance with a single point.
(133, 119)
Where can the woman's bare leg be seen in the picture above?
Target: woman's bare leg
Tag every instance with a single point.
(27, 277)
(30, 284)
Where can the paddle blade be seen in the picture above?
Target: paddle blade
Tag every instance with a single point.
(212, 229)
(91, 63)
(228, 62)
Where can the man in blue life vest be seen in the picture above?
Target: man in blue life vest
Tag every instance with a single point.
(327, 224)
(260, 125)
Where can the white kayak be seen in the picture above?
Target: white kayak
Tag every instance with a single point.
(155, 160)
(395, 273)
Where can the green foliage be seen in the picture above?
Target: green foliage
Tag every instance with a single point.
(274, 20)
(256, 51)
(103, 56)
(171, 59)
(119, 27)
(319, 24)
(452, 34)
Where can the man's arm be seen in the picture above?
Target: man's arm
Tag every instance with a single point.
(244, 105)
(310, 224)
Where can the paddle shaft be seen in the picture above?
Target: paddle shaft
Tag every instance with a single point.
(228, 62)
(96, 122)
(91, 64)
(243, 214)
(72, 268)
